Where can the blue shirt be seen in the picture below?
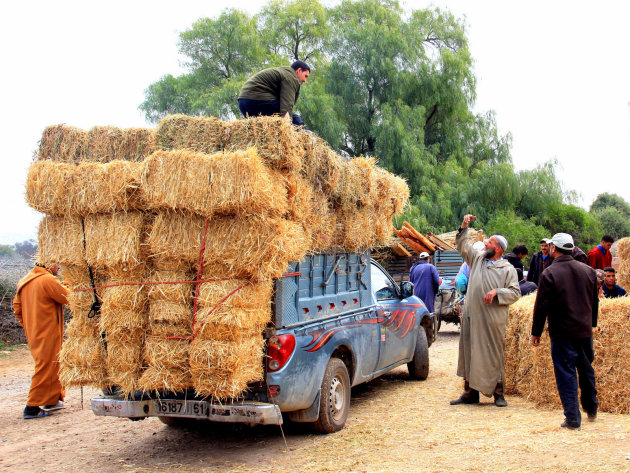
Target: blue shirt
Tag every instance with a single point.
(616, 291)
(426, 281)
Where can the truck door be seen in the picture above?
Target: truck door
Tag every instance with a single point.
(396, 322)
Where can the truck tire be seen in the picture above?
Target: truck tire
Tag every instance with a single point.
(335, 398)
(419, 365)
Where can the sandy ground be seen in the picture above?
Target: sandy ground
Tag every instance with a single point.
(394, 425)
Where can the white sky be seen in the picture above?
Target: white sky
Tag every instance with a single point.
(556, 73)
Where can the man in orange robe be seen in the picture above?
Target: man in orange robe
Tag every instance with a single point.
(38, 305)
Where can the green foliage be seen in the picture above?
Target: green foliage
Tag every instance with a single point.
(611, 200)
(6, 250)
(517, 230)
(387, 83)
(613, 222)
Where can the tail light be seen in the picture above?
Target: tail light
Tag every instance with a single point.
(279, 351)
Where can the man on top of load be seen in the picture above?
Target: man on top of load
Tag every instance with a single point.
(274, 91)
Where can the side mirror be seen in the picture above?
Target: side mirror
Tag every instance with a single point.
(406, 288)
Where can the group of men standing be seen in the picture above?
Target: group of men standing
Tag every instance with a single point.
(567, 300)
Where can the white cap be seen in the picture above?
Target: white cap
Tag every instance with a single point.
(563, 241)
(546, 240)
(423, 255)
(502, 241)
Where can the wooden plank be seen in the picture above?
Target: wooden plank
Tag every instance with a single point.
(400, 250)
(420, 237)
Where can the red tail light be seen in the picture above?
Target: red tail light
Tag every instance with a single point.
(279, 351)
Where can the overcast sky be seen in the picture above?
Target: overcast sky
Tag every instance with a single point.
(556, 73)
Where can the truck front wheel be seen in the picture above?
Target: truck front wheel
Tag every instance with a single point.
(419, 366)
(335, 397)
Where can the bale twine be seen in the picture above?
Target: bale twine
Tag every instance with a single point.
(529, 370)
(222, 183)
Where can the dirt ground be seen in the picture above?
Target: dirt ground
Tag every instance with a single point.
(394, 425)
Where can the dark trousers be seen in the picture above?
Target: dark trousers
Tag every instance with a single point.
(253, 108)
(572, 358)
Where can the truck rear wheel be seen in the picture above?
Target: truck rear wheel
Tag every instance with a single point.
(419, 366)
(335, 398)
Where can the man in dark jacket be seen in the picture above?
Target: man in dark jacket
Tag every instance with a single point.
(567, 298)
(540, 261)
(426, 280)
(610, 288)
(274, 91)
(515, 257)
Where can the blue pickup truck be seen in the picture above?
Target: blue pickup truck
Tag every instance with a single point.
(339, 320)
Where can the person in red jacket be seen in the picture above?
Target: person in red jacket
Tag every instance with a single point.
(600, 257)
(38, 305)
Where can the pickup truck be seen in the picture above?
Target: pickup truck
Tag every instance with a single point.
(338, 320)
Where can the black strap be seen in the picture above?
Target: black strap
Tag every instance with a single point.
(96, 304)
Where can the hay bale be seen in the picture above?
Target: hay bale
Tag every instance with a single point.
(392, 193)
(321, 165)
(167, 365)
(222, 369)
(246, 320)
(100, 144)
(222, 183)
(65, 189)
(355, 229)
(82, 355)
(61, 241)
(62, 143)
(170, 312)
(108, 143)
(623, 273)
(115, 239)
(202, 134)
(258, 247)
(250, 295)
(179, 293)
(276, 140)
(529, 370)
(79, 301)
(124, 359)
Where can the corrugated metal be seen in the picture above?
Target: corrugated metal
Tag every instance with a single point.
(447, 263)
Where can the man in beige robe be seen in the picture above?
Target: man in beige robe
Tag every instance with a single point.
(492, 287)
(38, 305)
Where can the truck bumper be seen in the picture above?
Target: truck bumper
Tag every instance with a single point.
(242, 412)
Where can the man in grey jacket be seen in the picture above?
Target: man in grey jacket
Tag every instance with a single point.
(492, 287)
(568, 300)
(274, 91)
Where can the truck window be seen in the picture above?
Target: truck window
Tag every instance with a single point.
(382, 286)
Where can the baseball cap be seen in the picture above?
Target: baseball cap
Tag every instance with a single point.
(564, 241)
(545, 240)
(423, 255)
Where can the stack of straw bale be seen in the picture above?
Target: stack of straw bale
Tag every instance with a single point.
(184, 229)
(529, 370)
(623, 273)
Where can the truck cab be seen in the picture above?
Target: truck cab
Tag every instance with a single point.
(339, 320)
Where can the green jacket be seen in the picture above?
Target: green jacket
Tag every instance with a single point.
(274, 83)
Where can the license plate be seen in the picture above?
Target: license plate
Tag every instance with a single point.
(183, 408)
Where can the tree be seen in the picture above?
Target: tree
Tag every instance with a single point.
(611, 200)
(6, 250)
(613, 222)
(517, 230)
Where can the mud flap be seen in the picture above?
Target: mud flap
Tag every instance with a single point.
(310, 414)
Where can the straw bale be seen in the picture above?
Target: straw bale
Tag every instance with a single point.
(82, 358)
(165, 329)
(355, 229)
(228, 332)
(57, 188)
(222, 369)
(124, 297)
(116, 321)
(383, 230)
(170, 312)
(124, 359)
(108, 143)
(181, 293)
(222, 183)
(62, 143)
(623, 249)
(250, 295)
(162, 353)
(202, 134)
(171, 379)
(114, 239)
(258, 247)
(623, 272)
(255, 318)
(83, 326)
(322, 166)
(351, 188)
(276, 140)
(60, 241)
(529, 370)
(392, 192)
